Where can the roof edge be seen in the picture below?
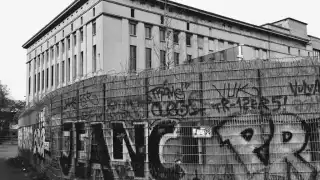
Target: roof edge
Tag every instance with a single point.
(53, 22)
(77, 3)
(290, 19)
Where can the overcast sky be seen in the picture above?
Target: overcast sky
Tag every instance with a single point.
(23, 18)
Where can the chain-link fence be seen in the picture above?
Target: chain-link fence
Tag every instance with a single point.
(208, 120)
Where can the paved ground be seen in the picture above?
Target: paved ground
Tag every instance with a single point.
(7, 172)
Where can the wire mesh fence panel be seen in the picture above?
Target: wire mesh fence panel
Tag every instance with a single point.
(208, 120)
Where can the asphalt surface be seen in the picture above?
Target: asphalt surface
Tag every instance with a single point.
(7, 172)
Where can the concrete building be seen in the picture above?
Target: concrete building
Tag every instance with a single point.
(95, 37)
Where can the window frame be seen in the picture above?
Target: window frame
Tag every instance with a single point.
(148, 31)
(132, 59)
(162, 34)
(148, 58)
(132, 28)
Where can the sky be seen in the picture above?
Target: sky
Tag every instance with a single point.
(22, 19)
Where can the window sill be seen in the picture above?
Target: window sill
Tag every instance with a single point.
(132, 35)
(188, 45)
(147, 38)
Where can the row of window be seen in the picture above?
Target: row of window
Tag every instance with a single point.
(46, 53)
(165, 35)
(45, 76)
(148, 57)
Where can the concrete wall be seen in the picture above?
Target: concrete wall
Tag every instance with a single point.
(223, 120)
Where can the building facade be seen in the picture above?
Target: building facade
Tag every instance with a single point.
(97, 37)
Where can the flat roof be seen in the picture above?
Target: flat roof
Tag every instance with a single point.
(78, 3)
(289, 18)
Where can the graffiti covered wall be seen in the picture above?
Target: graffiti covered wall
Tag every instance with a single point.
(222, 121)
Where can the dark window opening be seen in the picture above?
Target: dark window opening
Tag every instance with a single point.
(52, 77)
(94, 58)
(176, 37)
(163, 63)
(94, 28)
(162, 34)
(176, 59)
(132, 28)
(148, 58)
(188, 39)
(188, 26)
(132, 13)
(133, 60)
(162, 20)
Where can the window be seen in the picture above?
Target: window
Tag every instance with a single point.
(62, 44)
(74, 39)
(94, 58)
(188, 40)
(47, 56)
(42, 79)
(148, 58)
(81, 34)
(62, 33)
(189, 58)
(52, 52)
(38, 81)
(308, 53)
(81, 20)
(94, 28)
(35, 83)
(68, 42)
(220, 44)
(29, 85)
(176, 59)
(133, 60)
(188, 26)
(162, 34)
(54, 39)
(264, 54)
(316, 52)
(132, 13)
(289, 50)
(47, 77)
(200, 42)
(299, 53)
(57, 50)
(133, 28)
(162, 20)
(68, 70)
(62, 71)
(71, 27)
(52, 77)
(256, 53)
(57, 74)
(94, 11)
(74, 66)
(81, 64)
(176, 37)
(29, 67)
(163, 59)
(148, 31)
